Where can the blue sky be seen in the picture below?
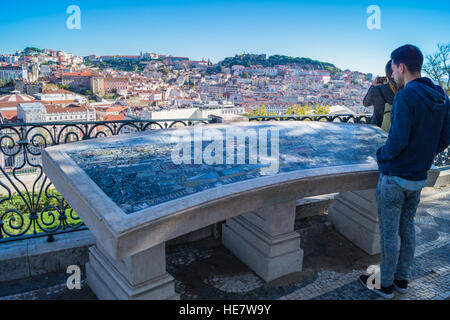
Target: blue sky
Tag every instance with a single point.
(332, 31)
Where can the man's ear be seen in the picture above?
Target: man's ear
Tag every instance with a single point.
(402, 68)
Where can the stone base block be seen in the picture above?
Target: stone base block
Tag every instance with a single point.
(354, 215)
(109, 284)
(270, 257)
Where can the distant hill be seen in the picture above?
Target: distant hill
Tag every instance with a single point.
(248, 60)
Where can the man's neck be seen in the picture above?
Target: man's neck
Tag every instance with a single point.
(411, 77)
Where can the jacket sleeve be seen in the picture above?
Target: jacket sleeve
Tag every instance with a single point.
(401, 123)
(444, 140)
(368, 99)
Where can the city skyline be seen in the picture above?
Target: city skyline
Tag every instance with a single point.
(325, 31)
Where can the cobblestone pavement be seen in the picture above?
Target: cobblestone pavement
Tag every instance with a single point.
(331, 268)
(206, 270)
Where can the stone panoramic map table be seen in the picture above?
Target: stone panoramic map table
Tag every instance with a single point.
(134, 196)
(139, 173)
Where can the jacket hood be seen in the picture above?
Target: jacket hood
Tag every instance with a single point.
(432, 95)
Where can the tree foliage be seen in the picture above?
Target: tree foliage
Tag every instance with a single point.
(245, 75)
(33, 49)
(300, 110)
(17, 202)
(117, 64)
(320, 109)
(213, 69)
(63, 86)
(248, 60)
(437, 65)
(164, 71)
(260, 111)
(296, 109)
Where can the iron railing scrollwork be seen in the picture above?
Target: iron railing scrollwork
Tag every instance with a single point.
(442, 160)
(365, 119)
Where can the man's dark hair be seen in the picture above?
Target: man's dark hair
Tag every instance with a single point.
(410, 55)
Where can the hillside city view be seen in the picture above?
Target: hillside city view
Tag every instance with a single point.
(66, 87)
(45, 85)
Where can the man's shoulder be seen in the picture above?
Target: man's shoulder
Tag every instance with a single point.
(410, 89)
(418, 84)
(408, 95)
(404, 96)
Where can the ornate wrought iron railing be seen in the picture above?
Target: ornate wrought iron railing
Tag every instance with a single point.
(364, 118)
(29, 205)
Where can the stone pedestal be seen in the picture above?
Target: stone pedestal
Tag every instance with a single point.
(139, 277)
(265, 240)
(355, 215)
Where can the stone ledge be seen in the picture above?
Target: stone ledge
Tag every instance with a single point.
(30, 257)
(444, 178)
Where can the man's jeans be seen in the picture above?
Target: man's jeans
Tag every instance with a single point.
(396, 211)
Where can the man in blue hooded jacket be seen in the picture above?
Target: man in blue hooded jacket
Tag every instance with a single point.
(420, 130)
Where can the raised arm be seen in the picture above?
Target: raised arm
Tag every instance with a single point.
(368, 99)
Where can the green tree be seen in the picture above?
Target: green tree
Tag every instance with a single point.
(260, 111)
(319, 109)
(289, 111)
(164, 71)
(437, 65)
(261, 59)
(63, 86)
(33, 49)
(245, 75)
(298, 110)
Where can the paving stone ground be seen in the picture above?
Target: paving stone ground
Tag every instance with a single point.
(207, 270)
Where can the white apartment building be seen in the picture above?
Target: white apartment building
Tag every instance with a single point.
(270, 72)
(60, 95)
(237, 69)
(206, 112)
(13, 72)
(71, 113)
(277, 108)
(31, 112)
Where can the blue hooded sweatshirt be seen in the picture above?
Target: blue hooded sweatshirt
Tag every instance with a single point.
(420, 130)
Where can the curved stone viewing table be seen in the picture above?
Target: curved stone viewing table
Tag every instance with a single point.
(134, 195)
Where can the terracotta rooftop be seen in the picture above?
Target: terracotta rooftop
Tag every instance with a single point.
(110, 117)
(69, 109)
(76, 74)
(10, 115)
(55, 91)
